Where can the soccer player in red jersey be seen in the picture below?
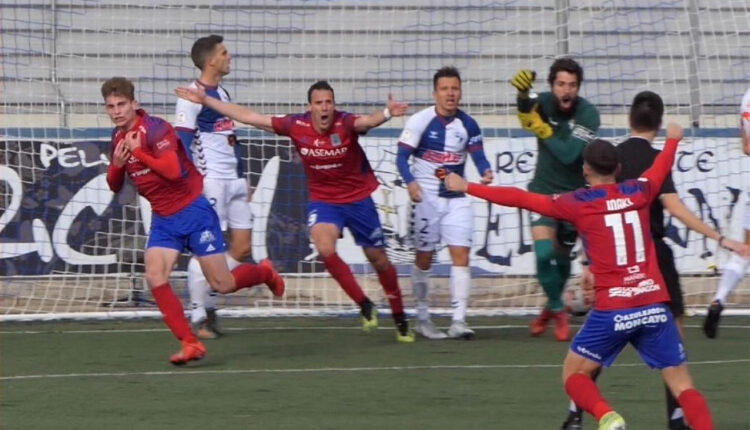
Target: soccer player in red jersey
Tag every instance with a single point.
(147, 150)
(339, 181)
(629, 293)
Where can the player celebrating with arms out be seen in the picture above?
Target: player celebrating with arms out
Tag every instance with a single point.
(629, 293)
(563, 123)
(440, 136)
(146, 149)
(339, 181)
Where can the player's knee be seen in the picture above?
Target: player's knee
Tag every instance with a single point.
(378, 258)
(423, 261)
(736, 264)
(220, 282)
(241, 251)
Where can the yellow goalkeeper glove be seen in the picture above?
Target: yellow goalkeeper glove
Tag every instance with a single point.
(534, 123)
(523, 80)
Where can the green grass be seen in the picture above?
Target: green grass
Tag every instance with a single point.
(324, 373)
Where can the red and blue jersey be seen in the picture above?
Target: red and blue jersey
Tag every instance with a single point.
(336, 166)
(613, 221)
(159, 169)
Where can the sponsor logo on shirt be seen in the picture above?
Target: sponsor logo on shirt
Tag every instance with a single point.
(223, 124)
(210, 248)
(442, 157)
(141, 172)
(643, 317)
(162, 144)
(323, 152)
(645, 286)
(583, 133)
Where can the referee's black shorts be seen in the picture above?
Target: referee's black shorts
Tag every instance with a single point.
(668, 270)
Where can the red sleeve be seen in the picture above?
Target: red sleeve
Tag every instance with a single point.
(115, 177)
(166, 164)
(517, 198)
(348, 122)
(661, 167)
(282, 124)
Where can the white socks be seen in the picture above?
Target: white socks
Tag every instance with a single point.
(420, 281)
(731, 275)
(460, 282)
(202, 296)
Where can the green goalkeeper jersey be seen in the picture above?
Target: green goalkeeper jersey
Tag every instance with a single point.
(559, 158)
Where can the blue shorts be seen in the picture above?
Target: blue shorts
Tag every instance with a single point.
(360, 217)
(650, 329)
(195, 227)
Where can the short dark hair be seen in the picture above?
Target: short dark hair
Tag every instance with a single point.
(565, 64)
(320, 85)
(445, 72)
(646, 112)
(202, 49)
(601, 155)
(118, 86)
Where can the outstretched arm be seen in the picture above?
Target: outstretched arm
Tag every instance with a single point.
(392, 108)
(232, 110)
(505, 196)
(674, 205)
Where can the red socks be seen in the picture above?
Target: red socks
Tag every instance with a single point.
(389, 280)
(248, 275)
(584, 393)
(695, 409)
(172, 312)
(343, 275)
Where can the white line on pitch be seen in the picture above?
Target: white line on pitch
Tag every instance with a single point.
(290, 328)
(328, 369)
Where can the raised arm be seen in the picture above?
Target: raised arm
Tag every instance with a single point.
(232, 110)
(663, 162)
(392, 108)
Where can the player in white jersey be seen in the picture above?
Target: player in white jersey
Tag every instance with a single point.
(735, 268)
(440, 137)
(209, 139)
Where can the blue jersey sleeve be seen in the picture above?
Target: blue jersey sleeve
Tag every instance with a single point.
(186, 138)
(402, 162)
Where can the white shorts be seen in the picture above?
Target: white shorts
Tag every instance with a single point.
(229, 199)
(746, 217)
(436, 218)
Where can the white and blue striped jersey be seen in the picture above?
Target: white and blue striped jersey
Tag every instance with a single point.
(437, 141)
(212, 147)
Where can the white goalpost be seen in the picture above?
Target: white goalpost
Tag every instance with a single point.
(69, 248)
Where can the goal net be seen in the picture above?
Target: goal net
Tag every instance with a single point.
(69, 247)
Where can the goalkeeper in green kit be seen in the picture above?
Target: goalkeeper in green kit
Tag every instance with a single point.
(563, 123)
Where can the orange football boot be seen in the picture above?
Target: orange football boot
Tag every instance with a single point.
(562, 329)
(276, 283)
(539, 325)
(190, 351)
